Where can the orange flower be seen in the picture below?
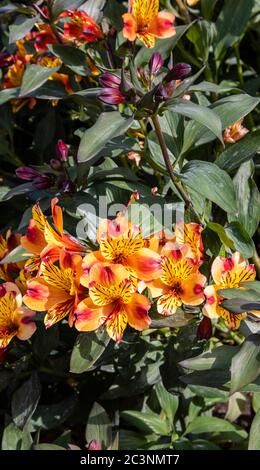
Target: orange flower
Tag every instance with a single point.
(180, 283)
(121, 242)
(56, 290)
(186, 238)
(227, 273)
(112, 302)
(144, 21)
(80, 27)
(235, 132)
(15, 320)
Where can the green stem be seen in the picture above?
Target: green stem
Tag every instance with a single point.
(169, 167)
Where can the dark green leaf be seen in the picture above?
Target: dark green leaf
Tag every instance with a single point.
(242, 241)
(240, 152)
(254, 434)
(8, 94)
(25, 400)
(108, 126)
(146, 422)
(230, 24)
(15, 438)
(205, 116)
(16, 255)
(87, 350)
(211, 182)
(19, 30)
(245, 366)
(169, 402)
(34, 77)
(72, 57)
(217, 358)
(205, 424)
(99, 426)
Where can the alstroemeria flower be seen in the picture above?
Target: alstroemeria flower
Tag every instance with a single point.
(227, 273)
(15, 320)
(235, 132)
(144, 21)
(121, 242)
(180, 283)
(80, 26)
(112, 302)
(56, 290)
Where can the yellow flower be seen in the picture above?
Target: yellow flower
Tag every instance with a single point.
(56, 290)
(112, 302)
(144, 21)
(121, 242)
(227, 273)
(180, 283)
(15, 320)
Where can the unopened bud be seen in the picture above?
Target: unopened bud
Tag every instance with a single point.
(62, 150)
(178, 72)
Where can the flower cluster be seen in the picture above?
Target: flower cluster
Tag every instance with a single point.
(114, 285)
(72, 27)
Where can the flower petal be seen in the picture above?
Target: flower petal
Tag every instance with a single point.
(146, 263)
(26, 326)
(59, 311)
(130, 27)
(167, 304)
(89, 317)
(116, 325)
(137, 312)
(162, 26)
(193, 289)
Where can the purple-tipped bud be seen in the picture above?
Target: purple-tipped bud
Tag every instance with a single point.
(26, 173)
(62, 150)
(68, 186)
(94, 445)
(111, 96)
(55, 164)
(155, 63)
(109, 80)
(178, 72)
(42, 182)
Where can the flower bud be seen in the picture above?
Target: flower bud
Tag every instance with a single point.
(111, 96)
(62, 150)
(109, 80)
(42, 182)
(26, 173)
(155, 63)
(204, 330)
(94, 445)
(178, 72)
